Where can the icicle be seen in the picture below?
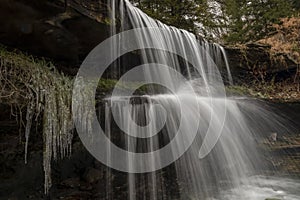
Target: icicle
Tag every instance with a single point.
(57, 126)
(29, 116)
(47, 125)
(46, 92)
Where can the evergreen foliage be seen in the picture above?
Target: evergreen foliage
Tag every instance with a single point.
(231, 21)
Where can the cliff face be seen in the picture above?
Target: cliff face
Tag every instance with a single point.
(66, 34)
(255, 61)
(276, 54)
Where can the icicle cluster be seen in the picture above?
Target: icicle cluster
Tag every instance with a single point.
(36, 84)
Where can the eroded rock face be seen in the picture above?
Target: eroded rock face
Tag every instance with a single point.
(45, 28)
(255, 61)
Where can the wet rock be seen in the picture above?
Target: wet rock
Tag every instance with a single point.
(86, 187)
(258, 45)
(92, 175)
(13, 198)
(273, 137)
(75, 195)
(97, 164)
(71, 183)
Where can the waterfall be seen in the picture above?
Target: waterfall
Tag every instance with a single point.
(184, 141)
(229, 161)
(230, 79)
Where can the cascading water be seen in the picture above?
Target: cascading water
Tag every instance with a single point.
(213, 145)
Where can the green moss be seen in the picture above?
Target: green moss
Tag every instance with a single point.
(238, 91)
(106, 86)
